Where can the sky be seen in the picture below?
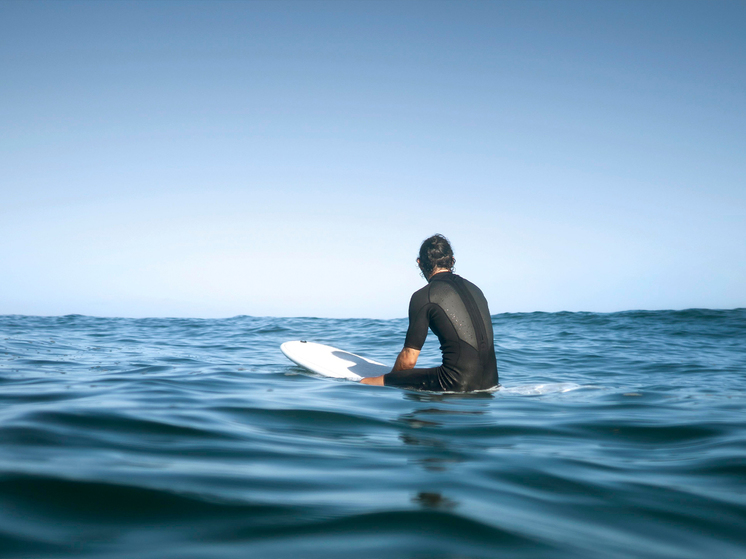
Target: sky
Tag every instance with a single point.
(214, 159)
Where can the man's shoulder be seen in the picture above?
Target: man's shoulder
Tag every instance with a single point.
(421, 291)
(467, 282)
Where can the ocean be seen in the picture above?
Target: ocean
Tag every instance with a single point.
(617, 435)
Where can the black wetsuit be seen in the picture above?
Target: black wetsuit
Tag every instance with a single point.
(456, 312)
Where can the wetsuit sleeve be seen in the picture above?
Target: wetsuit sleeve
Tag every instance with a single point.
(418, 321)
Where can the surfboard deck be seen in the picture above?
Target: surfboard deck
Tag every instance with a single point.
(332, 362)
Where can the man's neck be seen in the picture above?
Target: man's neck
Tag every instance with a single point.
(437, 271)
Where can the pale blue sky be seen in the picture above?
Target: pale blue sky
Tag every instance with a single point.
(215, 159)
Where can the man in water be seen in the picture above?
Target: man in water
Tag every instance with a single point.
(456, 311)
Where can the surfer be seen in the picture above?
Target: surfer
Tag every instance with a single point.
(457, 313)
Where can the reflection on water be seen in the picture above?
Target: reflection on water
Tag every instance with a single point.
(415, 423)
(440, 450)
(434, 397)
(433, 501)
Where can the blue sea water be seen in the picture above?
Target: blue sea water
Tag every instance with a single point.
(613, 436)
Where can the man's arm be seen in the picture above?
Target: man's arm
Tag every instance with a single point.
(407, 359)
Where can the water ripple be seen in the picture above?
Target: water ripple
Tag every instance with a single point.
(612, 435)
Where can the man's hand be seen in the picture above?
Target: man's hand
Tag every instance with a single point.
(407, 360)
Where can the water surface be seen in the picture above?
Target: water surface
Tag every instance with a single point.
(614, 435)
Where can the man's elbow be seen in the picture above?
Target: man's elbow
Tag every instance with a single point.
(408, 363)
(409, 357)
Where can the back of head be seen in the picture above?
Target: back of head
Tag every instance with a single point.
(435, 252)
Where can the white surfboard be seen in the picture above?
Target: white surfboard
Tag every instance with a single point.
(331, 362)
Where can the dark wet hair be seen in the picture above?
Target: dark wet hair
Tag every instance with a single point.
(435, 252)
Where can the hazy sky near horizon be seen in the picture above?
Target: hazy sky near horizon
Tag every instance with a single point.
(213, 159)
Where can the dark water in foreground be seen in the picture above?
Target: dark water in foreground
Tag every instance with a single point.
(616, 435)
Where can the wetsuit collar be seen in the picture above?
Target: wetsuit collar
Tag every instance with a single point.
(444, 274)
